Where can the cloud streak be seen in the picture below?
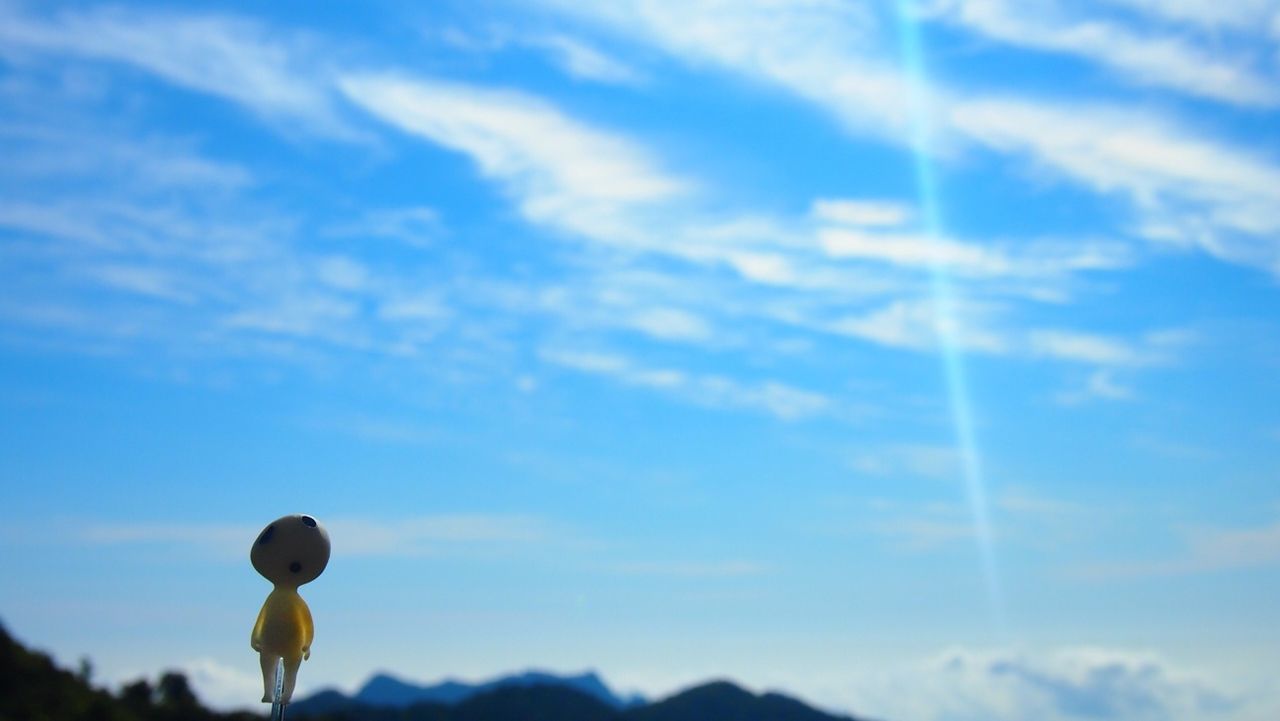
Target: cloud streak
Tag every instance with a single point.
(224, 56)
(778, 399)
(430, 535)
(1166, 61)
(560, 171)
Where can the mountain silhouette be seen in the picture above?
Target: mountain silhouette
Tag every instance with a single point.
(388, 691)
(557, 701)
(724, 701)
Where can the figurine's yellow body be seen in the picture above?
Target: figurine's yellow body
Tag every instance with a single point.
(284, 630)
(289, 552)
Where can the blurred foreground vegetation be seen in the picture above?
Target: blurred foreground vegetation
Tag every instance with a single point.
(32, 688)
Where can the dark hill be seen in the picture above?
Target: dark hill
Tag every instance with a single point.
(723, 701)
(534, 703)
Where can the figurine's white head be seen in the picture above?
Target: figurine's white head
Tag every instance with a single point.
(291, 551)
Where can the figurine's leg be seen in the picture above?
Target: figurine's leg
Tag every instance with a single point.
(268, 661)
(291, 664)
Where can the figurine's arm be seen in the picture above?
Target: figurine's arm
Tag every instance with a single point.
(308, 630)
(255, 638)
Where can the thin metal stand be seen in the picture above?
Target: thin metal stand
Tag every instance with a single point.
(277, 707)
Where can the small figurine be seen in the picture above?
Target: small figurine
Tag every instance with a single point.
(289, 552)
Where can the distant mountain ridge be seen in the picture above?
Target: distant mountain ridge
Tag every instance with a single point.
(537, 696)
(388, 691)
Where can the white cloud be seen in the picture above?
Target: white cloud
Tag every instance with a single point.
(221, 686)
(931, 461)
(828, 53)
(585, 62)
(342, 273)
(232, 58)
(305, 315)
(1055, 683)
(1205, 550)
(1084, 348)
(923, 534)
(146, 281)
(423, 306)
(440, 534)
(220, 541)
(1020, 501)
(1101, 384)
(1189, 189)
(671, 323)
(914, 252)
(778, 399)
(380, 429)
(693, 569)
(861, 213)
(1242, 15)
(844, 268)
(600, 186)
(560, 171)
(1212, 549)
(415, 226)
(917, 324)
(765, 268)
(1144, 58)
(39, 152)
(1070, 684)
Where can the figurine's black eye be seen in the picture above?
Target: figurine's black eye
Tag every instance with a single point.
(267, 533)
(295, 567)
(308, 521)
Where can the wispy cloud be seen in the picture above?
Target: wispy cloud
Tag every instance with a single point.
(440, 534)
(693, 569)
(923, 534)
(443, 534)
(218, 537)
(914, 324)
(778, 399)
(272, 75)
(829, 53)
(925, 460)
(586, 62)
(416, 226)
(1074, 683)
(1188, 189)
(1205, 550)
(1084, 347)
(559, 170)
(1023, 502)
(1100, 385)
(1166, 60)
(1245, 15)
(861, 213)
(654, 258)
(43, 153)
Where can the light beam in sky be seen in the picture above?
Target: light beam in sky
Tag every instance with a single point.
(946, 322)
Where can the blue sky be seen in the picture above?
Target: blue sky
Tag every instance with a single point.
(673, 339)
